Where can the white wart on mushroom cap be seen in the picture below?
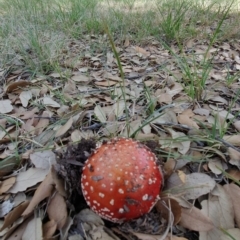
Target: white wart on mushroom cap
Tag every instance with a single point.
(121, 180)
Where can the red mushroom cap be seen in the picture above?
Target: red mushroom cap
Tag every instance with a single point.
(121, 180)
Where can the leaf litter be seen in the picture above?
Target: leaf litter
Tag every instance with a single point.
(49, 127)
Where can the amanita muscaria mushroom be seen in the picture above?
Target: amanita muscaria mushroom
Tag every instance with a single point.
(121, 180)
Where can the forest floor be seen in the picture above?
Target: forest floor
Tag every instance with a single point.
(76, 73)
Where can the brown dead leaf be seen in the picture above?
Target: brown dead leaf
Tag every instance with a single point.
(25, 96)
(165, 98)
(197, 184)
(234, 192)
(49, 228)
(174, 183)
(100, 114)
(233, 233)
(7, 165)
(80, 78)
(219, 209)
(234, 157)
(63, 129)
(28, 179)
(105, 83)
(119, 108)
(59, 214)
(14, 215)
(214, 234)
(233, 139)
(166, 117)
(172, 237)
(184, 119)
(169, 167)
(19, 198)
(75, 136)
(59, 183)
(43, 191)
(133, 126)
(177, 140)
(166, 204)
(202, 111)
(43, 122)
(50, 102)
(33, 230)
(7, 184)
(216, 166)
(237, 125)
(195, 220)
(142, 51)
(29, 114)
(44, 159)
(111, 77)
(18, 233)
(235, 174)
(143, 236)
(5, 106)
(16, 86)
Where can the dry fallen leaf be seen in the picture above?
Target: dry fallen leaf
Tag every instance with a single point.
(16, 86)
(119, 107)
(43, 122)
(43, 191)
(166, 204)
(234, 192)
(216, 165)
(235, 174)
(44, 159)
(14, 215)
(18, 233)
(5, 106)
(234, 157)
(7, 184)
(237, 125)
(75, 136)
(28, 179)
(194, 219)
(185, 120)
(177, 140)
(172, 237)
(49, 228)
(100, 114)
(232, 139)
(232, 233)
(59, 213)
(219, 209)
(33, 230)
(63, 129)
(50, 102)
(142, 51)
(143, 236)
(25, 96)
(80, 78)
(19, 198)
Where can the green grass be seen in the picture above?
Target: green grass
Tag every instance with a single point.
(36, 31)
(38, 36)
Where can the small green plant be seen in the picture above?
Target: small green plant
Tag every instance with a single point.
(151, 100)
(173, 14)
(196, 72)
